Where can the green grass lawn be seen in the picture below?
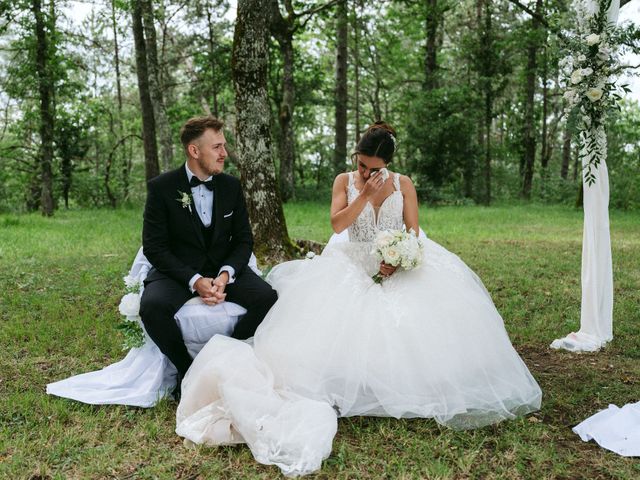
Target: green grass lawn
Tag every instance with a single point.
(61, 281)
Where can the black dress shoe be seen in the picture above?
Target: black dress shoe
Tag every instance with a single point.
(176, 393)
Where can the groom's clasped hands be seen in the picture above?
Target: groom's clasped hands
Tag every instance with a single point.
(211, 290)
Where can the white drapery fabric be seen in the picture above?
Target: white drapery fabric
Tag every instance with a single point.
(596, 312)
(145, 375)
(616, 429)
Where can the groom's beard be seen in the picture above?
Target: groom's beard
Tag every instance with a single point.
(211, 167)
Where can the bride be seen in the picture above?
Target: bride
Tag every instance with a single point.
(426, 342)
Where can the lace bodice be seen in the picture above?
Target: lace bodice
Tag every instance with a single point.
(367, 225)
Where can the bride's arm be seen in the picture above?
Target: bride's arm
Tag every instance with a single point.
(343, 214)
(410, 209)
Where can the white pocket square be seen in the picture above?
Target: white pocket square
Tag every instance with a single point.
(227, 215)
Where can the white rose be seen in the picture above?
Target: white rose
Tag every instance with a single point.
(310, 255)
(565, 62)
(391, 256)
(604, 52)
(130, 305)
(587, 71)
(582, 57)
(594, 94)
(576, 76)
(592, 39)
(384, 238)
(570, 95)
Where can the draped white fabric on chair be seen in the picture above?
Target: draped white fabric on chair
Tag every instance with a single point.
(145, 375)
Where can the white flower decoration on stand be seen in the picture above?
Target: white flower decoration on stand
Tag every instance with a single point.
(592, 93)
(592, 39)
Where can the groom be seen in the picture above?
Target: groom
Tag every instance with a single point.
(197, 236)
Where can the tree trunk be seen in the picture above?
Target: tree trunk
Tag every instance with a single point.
(576, 164)
(116, 58)
(430, 58)
(487, 71)
(375, 98)
(249, 67)
(124, 172)
(155, 84)
(529, 128)
(109, 164)
(429, 82)
(544, 145)
(285, 118)
(488, 116)
(341, 94)
(566, 152)
(282, 29)
(212, 63)
(356, 69)
(47, 114)
(152, 169)
(545, 150)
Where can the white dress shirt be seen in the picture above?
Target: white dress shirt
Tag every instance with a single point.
(203, 201)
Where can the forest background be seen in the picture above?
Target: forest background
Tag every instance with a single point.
(474, 89)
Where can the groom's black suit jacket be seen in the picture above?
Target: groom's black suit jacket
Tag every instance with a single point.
(172, 236)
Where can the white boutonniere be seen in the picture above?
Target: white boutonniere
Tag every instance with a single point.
(185, 200)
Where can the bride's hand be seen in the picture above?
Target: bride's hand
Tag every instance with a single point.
(387, 270)
(373, 185)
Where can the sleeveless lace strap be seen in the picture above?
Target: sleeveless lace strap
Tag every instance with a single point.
(396, 181)
(350, 179)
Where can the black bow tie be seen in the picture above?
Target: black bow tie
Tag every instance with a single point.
(195, 181)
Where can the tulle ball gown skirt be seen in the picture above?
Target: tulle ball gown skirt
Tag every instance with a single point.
(427, 342)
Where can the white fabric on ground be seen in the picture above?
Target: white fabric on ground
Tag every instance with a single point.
(229, 396)
(616, 429)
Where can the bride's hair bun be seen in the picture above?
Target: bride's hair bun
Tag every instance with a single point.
(379, 140)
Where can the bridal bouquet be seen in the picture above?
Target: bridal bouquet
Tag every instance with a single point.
(131, 325)
(398, 248)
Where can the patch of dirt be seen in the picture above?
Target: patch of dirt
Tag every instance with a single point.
(577, 385)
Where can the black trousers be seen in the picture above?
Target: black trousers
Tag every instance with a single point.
(163, 297)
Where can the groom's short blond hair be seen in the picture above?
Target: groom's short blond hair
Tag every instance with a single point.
(196, 126)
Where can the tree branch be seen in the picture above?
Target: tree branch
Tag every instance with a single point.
(121, 142)
(17, 147)
(624, 68)
(319, 8)
(525, 8)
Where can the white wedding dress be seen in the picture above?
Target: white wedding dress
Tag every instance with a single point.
(425, 343)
